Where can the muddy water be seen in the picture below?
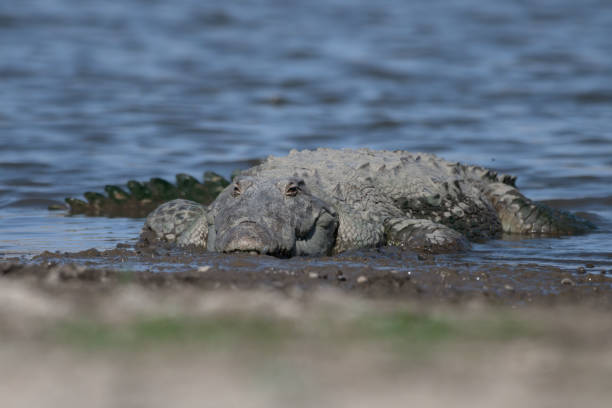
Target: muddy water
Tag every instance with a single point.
(96, 93)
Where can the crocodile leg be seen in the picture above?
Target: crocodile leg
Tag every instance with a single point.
(424, 235)
(520, 215)
(178, 221)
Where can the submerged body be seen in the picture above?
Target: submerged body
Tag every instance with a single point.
(328, 201)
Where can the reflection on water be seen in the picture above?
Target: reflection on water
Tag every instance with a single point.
(102, 92)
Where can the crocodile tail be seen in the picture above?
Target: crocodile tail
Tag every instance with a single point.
(143, 197)
(520, 215)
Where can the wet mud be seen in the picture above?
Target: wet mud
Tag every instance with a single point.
(388, 273)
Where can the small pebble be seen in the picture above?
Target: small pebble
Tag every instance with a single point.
(567, 282)
(509, 288)
(590, 265)
(581, 270)
(362, 279)
(313, 275)
(340, 276)
(204, 268)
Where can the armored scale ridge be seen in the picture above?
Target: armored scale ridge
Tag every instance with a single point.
(328, 201)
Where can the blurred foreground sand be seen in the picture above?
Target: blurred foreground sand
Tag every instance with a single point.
(75, 348)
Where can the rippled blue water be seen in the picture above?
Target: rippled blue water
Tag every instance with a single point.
(94, 92)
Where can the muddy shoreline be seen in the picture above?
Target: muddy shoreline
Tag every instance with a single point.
(384, 273)
(157, 326)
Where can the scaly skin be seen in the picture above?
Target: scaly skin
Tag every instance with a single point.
(370, 198)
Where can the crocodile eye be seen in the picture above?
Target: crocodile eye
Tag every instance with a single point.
(236, 191)
(292, 190)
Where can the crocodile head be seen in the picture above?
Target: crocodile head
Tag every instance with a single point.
(279, 217)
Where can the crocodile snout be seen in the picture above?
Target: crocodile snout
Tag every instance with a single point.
(247, 236)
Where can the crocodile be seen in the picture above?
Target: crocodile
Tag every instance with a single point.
(326, 201)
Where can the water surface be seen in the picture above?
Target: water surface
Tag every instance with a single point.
(96, 93)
